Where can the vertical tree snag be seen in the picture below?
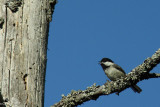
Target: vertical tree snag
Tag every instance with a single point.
(23, 48)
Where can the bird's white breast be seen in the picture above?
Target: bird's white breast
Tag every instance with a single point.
(113, 73)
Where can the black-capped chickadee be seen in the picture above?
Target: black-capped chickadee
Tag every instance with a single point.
(114, 72)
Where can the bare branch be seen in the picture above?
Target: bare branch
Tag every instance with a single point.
(139, 73)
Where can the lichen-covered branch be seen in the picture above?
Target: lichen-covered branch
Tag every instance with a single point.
(154, 75)
(139, 73)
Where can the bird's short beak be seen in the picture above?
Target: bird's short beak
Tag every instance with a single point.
(99, 62)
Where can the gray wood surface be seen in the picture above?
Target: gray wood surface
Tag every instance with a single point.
(23, 48)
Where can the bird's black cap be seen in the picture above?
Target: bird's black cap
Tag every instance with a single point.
(106, 60)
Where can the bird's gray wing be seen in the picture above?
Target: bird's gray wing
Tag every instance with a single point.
(119, 68)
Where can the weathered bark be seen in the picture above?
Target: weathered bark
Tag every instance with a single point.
(139, 73)
(23, 47)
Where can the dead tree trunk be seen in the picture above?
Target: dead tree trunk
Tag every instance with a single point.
(23, 46)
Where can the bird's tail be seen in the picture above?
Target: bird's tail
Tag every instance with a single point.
(135, 88)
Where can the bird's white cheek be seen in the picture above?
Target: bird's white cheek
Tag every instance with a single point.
(108, 63)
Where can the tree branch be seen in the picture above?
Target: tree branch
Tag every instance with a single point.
(139, 73)
(154, 75)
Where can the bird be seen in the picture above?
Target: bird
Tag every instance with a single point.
(114, 72)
